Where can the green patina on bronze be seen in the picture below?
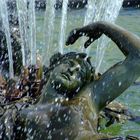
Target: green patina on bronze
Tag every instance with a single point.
(72, 99)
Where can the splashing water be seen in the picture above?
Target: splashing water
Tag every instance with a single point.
(32, 28)
(101, 10)
(49, 29)
(63, 25)
(90, 13)
(23, 27)
(105, 10)
(97, 10)
(5, 23)
(27, 26)
(109, 14)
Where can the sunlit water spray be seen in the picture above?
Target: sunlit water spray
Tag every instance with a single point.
(5, 23)
(32, 30)
(101, 10)
(90, 13)
(27, 26)
(93, 13)
(106, 10)
(63, 25)
(23, 27)
(49, 24)
(48, 29)
(110, 13)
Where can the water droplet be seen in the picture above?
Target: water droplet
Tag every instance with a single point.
(103, 83)
(120, 84)
(74, 31)
(82, 122)
(56, 99)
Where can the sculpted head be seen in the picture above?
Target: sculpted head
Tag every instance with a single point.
(70, 72)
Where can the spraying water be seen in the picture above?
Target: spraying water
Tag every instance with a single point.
(96, 10)
(109, 12)
(90, 13)
(5, 22)
(23, 27)
(94, 13)
(63, 25)
(32, 28)
(27, 26)
(101, 10)
(49, 29)
(104, 12)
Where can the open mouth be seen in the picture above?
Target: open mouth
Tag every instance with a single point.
(66, 76)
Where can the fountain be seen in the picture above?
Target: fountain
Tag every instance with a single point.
(96, 10)
(101, 10)
(49, 30)
(22, 18)
(63, 25)
(27, 27)
(32, 27)
(4, 17)
(106, 15)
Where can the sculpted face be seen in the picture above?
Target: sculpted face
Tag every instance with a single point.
(69, 76)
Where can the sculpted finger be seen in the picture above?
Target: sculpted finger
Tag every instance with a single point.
(88, 42)
(73, 36)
